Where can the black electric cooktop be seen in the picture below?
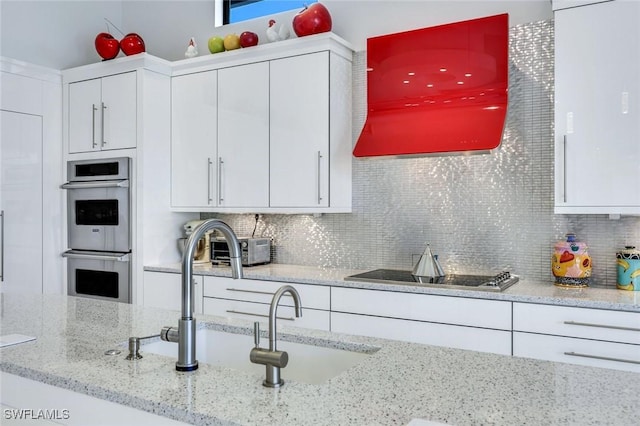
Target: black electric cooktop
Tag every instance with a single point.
(476, 282)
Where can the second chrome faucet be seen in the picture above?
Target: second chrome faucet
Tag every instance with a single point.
(272, 358)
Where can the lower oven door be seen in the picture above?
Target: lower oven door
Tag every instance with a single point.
(99, 275)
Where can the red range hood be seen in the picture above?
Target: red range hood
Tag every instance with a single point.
(437, 90)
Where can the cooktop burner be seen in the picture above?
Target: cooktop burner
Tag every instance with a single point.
(478, 282)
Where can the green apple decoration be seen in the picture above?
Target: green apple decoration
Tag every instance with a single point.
(216, 44)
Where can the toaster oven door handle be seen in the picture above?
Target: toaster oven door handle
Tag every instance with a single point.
(97, 184)
(231, 311)
(73, 254)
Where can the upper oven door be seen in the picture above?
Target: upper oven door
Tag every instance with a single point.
(98, 215)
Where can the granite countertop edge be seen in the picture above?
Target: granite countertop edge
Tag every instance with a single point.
(525, 291)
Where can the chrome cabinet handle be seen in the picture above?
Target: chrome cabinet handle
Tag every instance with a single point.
(231, 311)
(209, 164)
(2, 246)
(104, 107)
(319, 177)
(612, 327)
(240, 290)
(220, 165)
(564, 168)
(605, 358)
(93, 125)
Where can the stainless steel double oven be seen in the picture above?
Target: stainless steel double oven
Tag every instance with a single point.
(99, 229)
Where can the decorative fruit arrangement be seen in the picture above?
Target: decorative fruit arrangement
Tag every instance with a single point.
(107, 46)
(312, 19)
(248, 39)
(231, 42)
(132, 44)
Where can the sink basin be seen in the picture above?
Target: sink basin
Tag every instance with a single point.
(307, 363)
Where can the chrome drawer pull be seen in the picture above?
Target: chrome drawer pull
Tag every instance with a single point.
(253, 291)
(613, 327)
(606, 358)
(258, 315)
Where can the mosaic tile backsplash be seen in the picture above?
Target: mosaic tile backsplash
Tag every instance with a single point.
(480, 213)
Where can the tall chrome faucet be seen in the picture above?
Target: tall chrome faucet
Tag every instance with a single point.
(185, 335)
(272, 358)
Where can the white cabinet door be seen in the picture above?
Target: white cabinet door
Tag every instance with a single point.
(103, 113)
(597, 111)
(85, 113)
(243, 136)
(21, 202)
(593, 353)
(119, 107)
(299, 131)
(311, 318)
(194, 112)
(164, 290)
(428, 333)
(312, 296)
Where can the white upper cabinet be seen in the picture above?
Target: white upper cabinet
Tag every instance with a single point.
(103, 113)
(194, 112)
(243, 136)
(300, 130)
(597, 118)
(283, 128)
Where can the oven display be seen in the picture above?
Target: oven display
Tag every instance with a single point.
(97, 212)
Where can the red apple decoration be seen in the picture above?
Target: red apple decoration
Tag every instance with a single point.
(248, 39)
(131, 44)
(107, 46)
(313, 19)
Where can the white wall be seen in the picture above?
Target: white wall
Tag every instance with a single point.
(60, 34)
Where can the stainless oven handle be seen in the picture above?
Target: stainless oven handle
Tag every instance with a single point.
(96, 184)
(2, 246)
(126, 257)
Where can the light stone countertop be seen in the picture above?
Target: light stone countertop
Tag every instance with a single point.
(398, 383)
(525, 291)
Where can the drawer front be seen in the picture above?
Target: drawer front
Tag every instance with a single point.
(441, 309)
(311, 318)
(599, 324)
(593, 353)
(451, 336)
(312, 296)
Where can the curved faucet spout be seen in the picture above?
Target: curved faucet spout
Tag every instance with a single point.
(274, 308)
(186, 335)
(235, 256)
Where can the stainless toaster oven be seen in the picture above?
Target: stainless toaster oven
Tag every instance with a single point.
(255, 251)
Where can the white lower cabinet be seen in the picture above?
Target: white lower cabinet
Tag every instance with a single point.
(164, 290)
(594, 337)
(311, 318)
(456, 322)
(251, 299)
